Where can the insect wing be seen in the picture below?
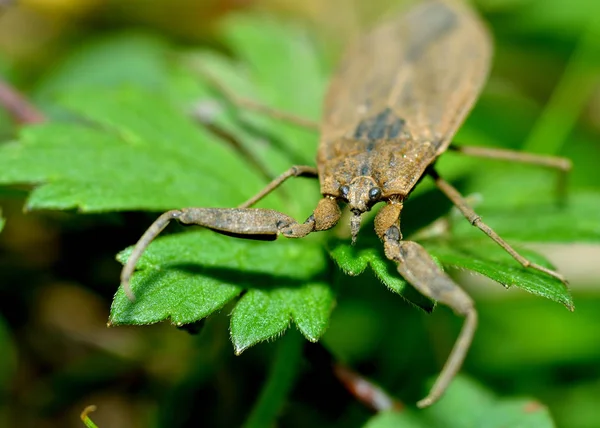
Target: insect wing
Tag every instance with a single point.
(425, 66)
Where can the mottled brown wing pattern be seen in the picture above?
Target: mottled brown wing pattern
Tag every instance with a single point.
(427, 66)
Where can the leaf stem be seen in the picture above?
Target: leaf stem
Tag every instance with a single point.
(569, 97)
(281, 379)
(19, 107)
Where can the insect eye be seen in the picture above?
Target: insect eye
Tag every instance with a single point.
(374, 193)
(344, 190)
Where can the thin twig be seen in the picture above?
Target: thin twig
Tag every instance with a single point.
(373, 396)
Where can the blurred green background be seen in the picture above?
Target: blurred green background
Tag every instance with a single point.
(58, 274)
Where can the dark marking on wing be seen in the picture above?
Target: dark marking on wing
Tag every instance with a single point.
(361, 130)
(379, 125)
(436, 23)
(384, 125)
(395, 128)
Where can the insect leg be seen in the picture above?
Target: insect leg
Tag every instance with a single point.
(562, 165)
(250, 223)
(295, 171)
(420, 270)
(460, 202)
(249, 104)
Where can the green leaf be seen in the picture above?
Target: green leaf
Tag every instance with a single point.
(465, 405)
(260, 315)
(487, 258)
(354, 259)
(571, 94)
(573, 221)
(259, 41)
(529, 352)
(115, 61)
(551, 17)
(6, 124)
(134, 58)
(134, 146)
(139, 153)
(465, 247)
(137, 149)
(265, 142)
(188, 276)
(270, 56)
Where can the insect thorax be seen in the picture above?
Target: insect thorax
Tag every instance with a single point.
(394, 165)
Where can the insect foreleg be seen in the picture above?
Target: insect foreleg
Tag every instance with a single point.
(460, 202)
(251, 223)
(418, 268)
(562, 165)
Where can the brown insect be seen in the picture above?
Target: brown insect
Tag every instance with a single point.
(394, 105)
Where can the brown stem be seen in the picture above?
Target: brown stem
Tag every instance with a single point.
(22, 111)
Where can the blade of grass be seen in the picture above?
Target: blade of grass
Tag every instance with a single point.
(284, 370)
(569, 97)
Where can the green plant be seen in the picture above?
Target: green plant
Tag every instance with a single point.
(129, 139)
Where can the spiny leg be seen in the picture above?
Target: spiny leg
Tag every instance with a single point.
(246, 103)
(250, 223)
(420, 270)
(563, 165)
(457, 199)
(159, 224)
(295, 171)
(444, 224)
